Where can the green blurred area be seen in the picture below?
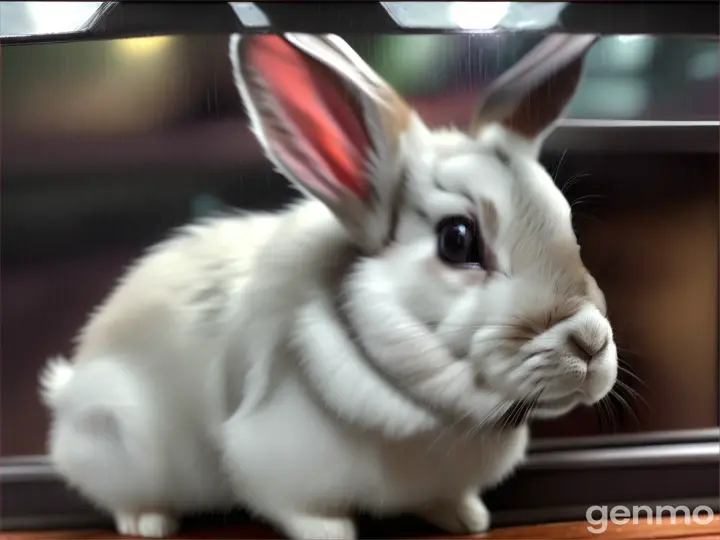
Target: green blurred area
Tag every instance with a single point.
(620, 73)
(625, 75)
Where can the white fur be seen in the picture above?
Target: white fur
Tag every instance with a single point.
(150, 372)
(219, 373)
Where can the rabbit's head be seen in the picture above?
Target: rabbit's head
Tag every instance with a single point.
(470, 295)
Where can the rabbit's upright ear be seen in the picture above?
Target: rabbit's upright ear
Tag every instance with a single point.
(328, 122)
(530, 97)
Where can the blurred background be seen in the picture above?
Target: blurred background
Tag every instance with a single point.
(107, 145)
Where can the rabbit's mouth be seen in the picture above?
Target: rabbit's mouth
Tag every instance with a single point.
(521, 411)
(555, 407)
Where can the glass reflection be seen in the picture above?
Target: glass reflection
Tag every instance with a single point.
(108, 144)
(42, 18)
(476, 16)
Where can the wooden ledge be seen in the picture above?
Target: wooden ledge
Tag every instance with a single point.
(664, 529)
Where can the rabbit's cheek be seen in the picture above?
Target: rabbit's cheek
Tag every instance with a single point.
(455, 280)
(566, 379)
(496, 368)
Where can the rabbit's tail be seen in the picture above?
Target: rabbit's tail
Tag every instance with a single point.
(56, 373)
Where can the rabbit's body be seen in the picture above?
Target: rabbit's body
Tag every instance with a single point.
(379, 346)
(156, 414)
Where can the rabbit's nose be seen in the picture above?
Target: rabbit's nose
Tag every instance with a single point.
(587, 349)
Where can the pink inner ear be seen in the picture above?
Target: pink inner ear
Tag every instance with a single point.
(320, 109)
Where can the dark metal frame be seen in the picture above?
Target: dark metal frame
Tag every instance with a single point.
(635, 136)
(680, 468)
(132, 19)
(673, 468)
(586, 136)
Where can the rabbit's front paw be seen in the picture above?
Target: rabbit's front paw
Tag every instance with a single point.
(466, 516)
(146, 525)
(308, 527)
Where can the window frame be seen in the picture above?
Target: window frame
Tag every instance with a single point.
(134, 19)
(674, 468)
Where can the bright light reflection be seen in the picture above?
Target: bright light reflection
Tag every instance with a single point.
(142, 46)
(478, 15)
(630, 38)
(249, 14)
(59, 17)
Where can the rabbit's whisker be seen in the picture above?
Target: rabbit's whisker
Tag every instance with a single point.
(572, 181)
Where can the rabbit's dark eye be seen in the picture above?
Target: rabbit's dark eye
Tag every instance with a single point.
(460, 242)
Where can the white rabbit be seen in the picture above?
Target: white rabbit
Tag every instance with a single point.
(378, 347)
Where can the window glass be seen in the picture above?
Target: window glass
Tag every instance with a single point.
(109, 144)
(626, 77)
